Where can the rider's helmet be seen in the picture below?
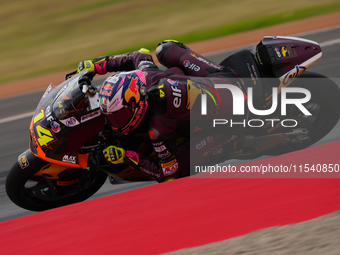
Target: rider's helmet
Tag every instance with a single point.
(123, 100)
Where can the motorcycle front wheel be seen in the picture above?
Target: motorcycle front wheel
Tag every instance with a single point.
(41, 192)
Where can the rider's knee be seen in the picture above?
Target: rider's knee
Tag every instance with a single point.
(165, 45)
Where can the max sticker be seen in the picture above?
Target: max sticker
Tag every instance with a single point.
(22, 159)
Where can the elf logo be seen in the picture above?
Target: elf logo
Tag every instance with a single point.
(204, 142)
(177, 93)
(191, 66)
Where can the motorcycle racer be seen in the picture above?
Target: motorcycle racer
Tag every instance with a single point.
(163, 103)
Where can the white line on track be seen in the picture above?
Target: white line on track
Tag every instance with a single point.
(16, 117)
(330, 42)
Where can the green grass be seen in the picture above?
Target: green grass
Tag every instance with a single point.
(41, 37)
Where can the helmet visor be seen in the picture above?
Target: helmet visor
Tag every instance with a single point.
(120, 118)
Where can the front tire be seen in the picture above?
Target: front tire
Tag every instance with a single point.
(36, 193)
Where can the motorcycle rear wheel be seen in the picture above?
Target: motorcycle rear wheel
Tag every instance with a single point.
(35, 193)
(326, 94)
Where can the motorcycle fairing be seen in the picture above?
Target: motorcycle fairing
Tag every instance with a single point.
(53, 135)
(290, 56)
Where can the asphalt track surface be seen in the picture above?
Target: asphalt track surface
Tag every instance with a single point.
(16, 113)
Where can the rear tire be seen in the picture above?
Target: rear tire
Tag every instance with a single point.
(326, 94)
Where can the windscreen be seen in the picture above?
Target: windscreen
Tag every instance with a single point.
(70, 102)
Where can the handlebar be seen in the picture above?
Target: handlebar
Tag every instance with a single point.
(84, 80)
(69, 75)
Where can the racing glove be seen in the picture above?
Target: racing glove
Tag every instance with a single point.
(96, 66)
(116, 155)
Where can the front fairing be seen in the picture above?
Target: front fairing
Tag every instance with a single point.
(64, 120)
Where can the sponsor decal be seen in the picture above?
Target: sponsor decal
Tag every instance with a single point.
(101, 64)
(284, 52)
(48, 114)
(268, 144)
(67, 183)
(258, 57)
(48, 90)
(157, 144)
(70, 122)
(62, 89)
(278, 53)
(22, 159)
(106, 90)
(204, 142)
(143, 170)
(55, 127)
(207, 62)
(170, 170)
(290, 76)
(132, 91)
(33, 139)
(114, 104)
(168, 164)
(252, 73)
(288, 51)
(137, 118)
(119, 56)
(164, 155)
(291, 51)
(172, 82)
(160, 148)
(220, 146)
(218, 151)
(70, 159)
(177, 93)
(138, 114)
(191, 66)
(153, 133)
(90, 116)
(112, 79)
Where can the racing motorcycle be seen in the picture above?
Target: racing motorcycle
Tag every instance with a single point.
(64, 163)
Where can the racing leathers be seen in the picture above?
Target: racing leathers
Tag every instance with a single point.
(180, 134)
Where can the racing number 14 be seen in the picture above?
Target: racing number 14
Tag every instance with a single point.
(44, 135)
